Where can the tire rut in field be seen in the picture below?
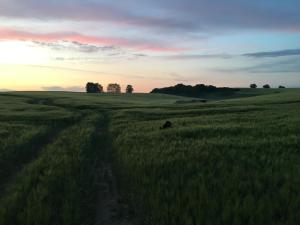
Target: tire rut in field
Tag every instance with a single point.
(109, 210)
(36, 149)
(44, 140)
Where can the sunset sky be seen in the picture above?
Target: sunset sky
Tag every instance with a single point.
(62, 44)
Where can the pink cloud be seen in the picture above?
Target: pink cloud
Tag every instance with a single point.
(140, 45)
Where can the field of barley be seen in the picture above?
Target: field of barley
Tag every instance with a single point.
(231, 162)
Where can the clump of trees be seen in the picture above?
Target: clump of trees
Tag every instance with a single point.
(111, 88)
(114, 88)
(129, 89)
(93, 88)
(265, 86)
(197, 91)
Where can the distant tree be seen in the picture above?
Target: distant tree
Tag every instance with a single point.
(114, 88)
(129, 89)
(93, 88)
(281, 86)
(253, 86)
(100, 88)
(266, 86)
(89, 87)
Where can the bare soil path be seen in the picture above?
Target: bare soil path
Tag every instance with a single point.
(109, 210)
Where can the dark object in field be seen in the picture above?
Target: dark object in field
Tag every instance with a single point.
(281, 86)
(266, 86)
(167, 125)
(198, 91)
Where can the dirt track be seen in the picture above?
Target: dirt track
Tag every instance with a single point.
(109, 210)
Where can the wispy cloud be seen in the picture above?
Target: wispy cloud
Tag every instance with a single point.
(188, 15)
(81, 39)
(102, 73)
(77, 46)
(88, 11)
(198, 56)
(290, 65)
(269, 54)
(88, 52)
(281, 53)
(86, 71)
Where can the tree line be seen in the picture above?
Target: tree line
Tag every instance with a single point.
(265, 86)
(198, 90)
(111, 88)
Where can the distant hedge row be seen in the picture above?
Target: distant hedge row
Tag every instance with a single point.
(194, 91)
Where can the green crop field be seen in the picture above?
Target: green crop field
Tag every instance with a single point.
(76, 158)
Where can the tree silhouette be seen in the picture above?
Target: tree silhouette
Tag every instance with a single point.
(281, 86)
(253, 86)
(114, 88)
(93, 88)
(129, 89)
(266, 86)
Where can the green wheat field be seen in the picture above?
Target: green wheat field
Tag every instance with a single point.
(231, 161)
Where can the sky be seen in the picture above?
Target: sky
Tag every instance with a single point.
(60, 45)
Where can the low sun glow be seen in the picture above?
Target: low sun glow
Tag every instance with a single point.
(19, 52)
